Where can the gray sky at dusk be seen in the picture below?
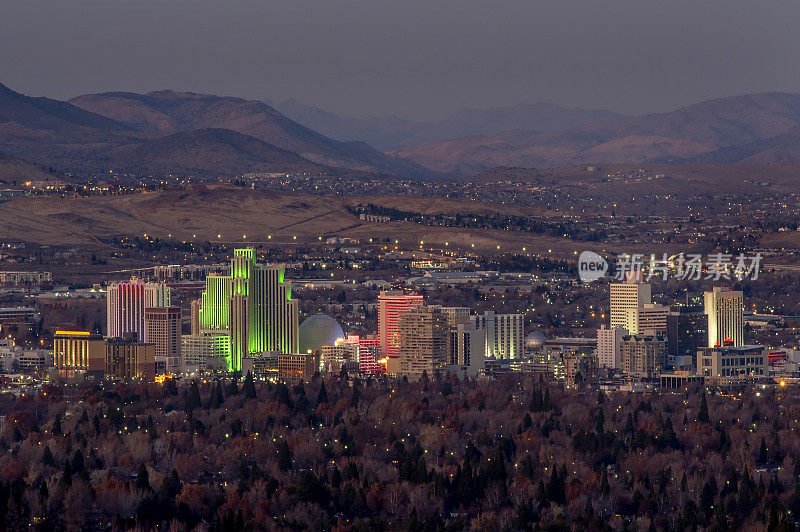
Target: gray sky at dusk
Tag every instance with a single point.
(419, 59)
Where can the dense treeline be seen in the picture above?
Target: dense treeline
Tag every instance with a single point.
(515, 453)
(503, 222)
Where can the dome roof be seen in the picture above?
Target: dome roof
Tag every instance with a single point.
(318, 330)
(535, 339)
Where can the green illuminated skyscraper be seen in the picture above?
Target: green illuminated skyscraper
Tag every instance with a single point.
(254, 304)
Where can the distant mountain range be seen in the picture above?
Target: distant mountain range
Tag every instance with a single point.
(177, 133)
(727, 129)
(392, 131)
(182, 133)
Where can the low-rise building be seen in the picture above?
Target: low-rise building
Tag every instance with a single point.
(78, 351)
(205, 350)
(295, 367)
(127, 358)
(733, 361)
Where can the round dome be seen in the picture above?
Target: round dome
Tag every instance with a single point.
(535, 339)
(318, 330)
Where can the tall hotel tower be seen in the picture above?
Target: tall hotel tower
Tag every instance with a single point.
(253, 305)
(126, 303)
(627, 298)
(391, 305)
(725, 309)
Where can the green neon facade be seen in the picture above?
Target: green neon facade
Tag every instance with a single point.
(254, 304)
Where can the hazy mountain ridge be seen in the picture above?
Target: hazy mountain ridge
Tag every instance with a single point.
(781, 149)
(177, 132)
(171, 112)
(392, 131)
(676, 136)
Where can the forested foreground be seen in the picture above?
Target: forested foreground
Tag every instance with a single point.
(514, 453)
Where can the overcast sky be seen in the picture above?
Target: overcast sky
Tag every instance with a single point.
(420, 59)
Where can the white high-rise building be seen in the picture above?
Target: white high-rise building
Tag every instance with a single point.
(504, 334)
(125, 305)
(647, 319)
(626, 298)
(609, 354)
(725, 310)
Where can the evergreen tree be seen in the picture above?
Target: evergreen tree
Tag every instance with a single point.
(605, 489)
(322, 397)
(556, 491)
(193, 397)
(284, 456)
(249, 387)
(536, 401)
(77, 464)
(142, 478)
(215, 400)
(702, 414)
(66, 477)
(526, 421)
(762, 452)
(599, 425)
(56, 430)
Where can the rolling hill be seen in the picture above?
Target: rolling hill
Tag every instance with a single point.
(664, 137)
(781, 149)
(45, 113)
(167, 112)
(206, 152)
(14, 170)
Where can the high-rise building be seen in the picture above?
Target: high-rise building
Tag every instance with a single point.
(627, 297)
(126, 358)
(466, 349)
(125, 304)
(391, 305)
(643, 356)
(504, 333)
(455, 315)
(423, 341)
(650, 318)
(609, 340)
(162, 328)
(687, 331)
(254, 304)
(725, 310)
(194, 315)
(78, 351)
